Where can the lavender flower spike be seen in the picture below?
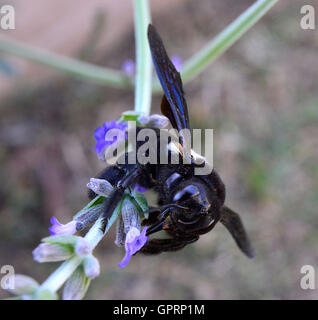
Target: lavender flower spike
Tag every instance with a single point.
(134, 242)
(59, 229)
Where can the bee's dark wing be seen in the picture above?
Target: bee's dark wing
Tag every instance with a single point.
(232, 221)
(173, 105)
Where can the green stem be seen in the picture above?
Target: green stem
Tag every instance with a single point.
(222, 41)
(143, 58)
(55, 281)
(97, 74)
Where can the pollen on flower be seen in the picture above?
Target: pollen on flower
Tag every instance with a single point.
(133, 243)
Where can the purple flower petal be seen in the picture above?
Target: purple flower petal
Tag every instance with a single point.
(100, 135)
(100, 146)
(123, 263)
(133, 243)
(58, 228)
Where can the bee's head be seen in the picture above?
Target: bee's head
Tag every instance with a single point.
(203, 207)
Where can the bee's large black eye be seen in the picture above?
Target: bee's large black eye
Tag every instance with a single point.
(186, 193)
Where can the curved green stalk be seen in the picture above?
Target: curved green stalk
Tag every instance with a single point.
(223, 41)
(97, 74)
(113, 78)
(55, 281)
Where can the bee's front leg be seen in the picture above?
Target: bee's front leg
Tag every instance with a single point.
(157, 217)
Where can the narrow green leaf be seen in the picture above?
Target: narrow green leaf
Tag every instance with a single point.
(97, 74)
(68, 241)
(141, 202)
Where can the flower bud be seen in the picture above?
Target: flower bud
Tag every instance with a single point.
(120, 233)
(47, 252)
(83, 247)
(76, 286)
(155, 121)
(89, 216)
(23, 285)
(91, 267)
(100, 186)
(130, 215)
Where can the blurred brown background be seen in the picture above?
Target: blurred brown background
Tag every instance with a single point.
(260, 97)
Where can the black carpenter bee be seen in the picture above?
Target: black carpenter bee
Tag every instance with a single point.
(189, 204)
